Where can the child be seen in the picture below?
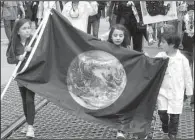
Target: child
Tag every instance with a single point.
(119, 36)
(21, 36)
(177, 78)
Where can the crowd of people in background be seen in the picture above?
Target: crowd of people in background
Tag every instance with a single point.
(126, 26)
(127, 13)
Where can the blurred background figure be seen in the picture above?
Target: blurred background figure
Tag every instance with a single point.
(30, 8)
(44, 7)
(94, 21)
(78, 12)
(112, 12)
(10, 14)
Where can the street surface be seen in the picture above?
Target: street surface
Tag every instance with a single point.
(53, 122)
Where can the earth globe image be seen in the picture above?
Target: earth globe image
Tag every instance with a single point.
(96, 79)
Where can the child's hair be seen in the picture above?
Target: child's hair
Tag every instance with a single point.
(171, 37)
(126, 41)
(15, 38)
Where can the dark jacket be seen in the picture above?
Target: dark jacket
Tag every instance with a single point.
(15, 50)
(126, 12)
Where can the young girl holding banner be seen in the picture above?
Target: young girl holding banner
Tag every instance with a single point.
(21, 36)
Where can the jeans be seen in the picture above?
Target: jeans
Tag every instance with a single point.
(28, 104)
(8, 24)
(93, 22)
(169, 124)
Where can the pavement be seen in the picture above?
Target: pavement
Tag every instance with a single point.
(53, 122)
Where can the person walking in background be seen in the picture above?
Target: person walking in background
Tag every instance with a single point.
(20, 38)
(34, 12)
(78, 12)
(44, 7)
(94, 21)
(28, 9)
(177, 78)
(181, 11)
(119, 36)
(10, 14)
(160, 30)
(129, 14)
(112, 12)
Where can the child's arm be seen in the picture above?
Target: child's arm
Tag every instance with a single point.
(187, 77)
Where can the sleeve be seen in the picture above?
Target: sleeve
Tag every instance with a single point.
(40, 10)
(187, 77)
(93, 8)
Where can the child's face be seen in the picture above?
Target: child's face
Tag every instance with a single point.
(25, 30)
(118, 37)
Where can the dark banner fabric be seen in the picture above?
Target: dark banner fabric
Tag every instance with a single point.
(94, 79)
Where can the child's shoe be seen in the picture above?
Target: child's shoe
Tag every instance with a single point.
(120, 135)
(30, 132)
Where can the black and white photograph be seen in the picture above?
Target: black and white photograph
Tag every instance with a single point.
(97, 69)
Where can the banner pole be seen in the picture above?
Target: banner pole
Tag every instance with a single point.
(36, 44)
(18, 65)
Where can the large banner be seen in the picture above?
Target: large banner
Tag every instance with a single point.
(94, 79)
(158, 11)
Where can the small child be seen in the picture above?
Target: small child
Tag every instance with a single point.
(119, 36)
(20, 39)
(177, 78)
